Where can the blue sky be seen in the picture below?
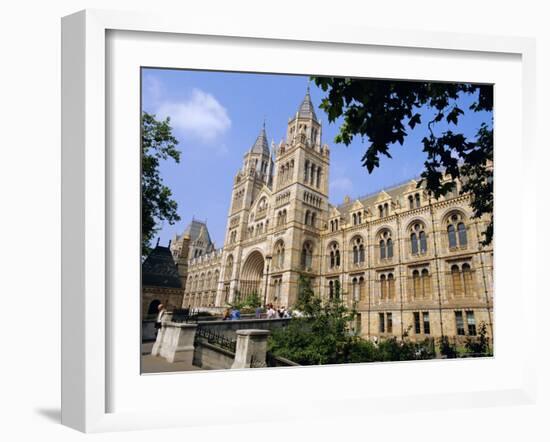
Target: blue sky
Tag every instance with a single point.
(217, 116)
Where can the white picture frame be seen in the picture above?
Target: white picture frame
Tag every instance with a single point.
(87, 207)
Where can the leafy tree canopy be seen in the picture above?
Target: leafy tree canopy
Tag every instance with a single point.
(380, 112)
(157, 143)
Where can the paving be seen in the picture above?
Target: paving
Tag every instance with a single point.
(156, 364)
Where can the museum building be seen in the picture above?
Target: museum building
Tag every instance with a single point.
(408, 262)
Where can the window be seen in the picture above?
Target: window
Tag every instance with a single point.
(426, 320)
(381, 327)
(389, 323)
(471, 320)
(426, 284)
(462, 281)
(418, 238)
(358, 250)
(307, 220)
(307, 255)
(386, 245)
(459, 324)
(383, 287)
(417, 322)
(391, 286)
(455, 225)
(334, 288)
(334, 255)
(417, 293)
(417, 200)
(411, 202)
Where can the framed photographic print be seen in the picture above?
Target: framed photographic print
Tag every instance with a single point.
(289, 206)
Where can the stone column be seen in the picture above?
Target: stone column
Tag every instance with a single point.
(251, 345)
(179, 342)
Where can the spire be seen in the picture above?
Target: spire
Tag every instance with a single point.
(306, 109)
(261, 146)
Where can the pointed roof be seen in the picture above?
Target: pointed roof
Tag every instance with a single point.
(159, 269)
(261, 146)
(306, 109)
(196, 229)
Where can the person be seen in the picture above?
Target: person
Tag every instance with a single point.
(226, 314)
(235, 314)
(270, 312)
(160, 315)
(286, 314)
(258, 312)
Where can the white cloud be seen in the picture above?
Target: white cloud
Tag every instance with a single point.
(341, 184)
(200, 116)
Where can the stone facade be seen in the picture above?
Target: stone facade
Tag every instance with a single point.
(406, 261)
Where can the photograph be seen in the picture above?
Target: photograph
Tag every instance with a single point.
(306, 220)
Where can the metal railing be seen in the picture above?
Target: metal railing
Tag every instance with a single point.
(215, 338)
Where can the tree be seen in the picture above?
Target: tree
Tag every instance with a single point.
(157, 143)
(379, 111)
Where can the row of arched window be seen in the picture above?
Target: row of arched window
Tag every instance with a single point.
(204, 281)
(310, 218)
(312, 174)
(281, 217)
(414, 201)
(286, 172)
(306, 255)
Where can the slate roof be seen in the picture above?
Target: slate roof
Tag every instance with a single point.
(261, 146)
(159, 269)
(395, 192)
(194, 229)
(306, 109)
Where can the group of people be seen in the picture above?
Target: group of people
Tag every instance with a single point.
(277, 313)
(232, 314)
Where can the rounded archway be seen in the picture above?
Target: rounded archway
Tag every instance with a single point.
(252, 274)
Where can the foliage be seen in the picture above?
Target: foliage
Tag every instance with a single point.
(252, 301)
(322, 336)
(479, 346)
(380, 111)
(157, 143)
(446, 348)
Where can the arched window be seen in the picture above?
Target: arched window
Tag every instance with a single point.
(455, 225)
(386, 244)
(381, 211)
(359, 218)
(462, 237)
(426, 284)
(451, 234)
(391, 286)
(386, 209)
(414, 243)
(389, 245)
(419, 243)
(417, 199)
(383, 288)
(411, 202)
(306, 171)
(456, 279)
(354, 217)
(358, 250)
(334, 255)
(313, 218)
(279, 255)
(330, 289)
(307, 256)
(416, 284)
(307, 220)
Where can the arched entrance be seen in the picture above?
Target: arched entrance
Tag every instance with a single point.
(251, 275)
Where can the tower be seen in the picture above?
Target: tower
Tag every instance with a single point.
(300, 197)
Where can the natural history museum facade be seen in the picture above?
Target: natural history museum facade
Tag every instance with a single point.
(408, 262)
